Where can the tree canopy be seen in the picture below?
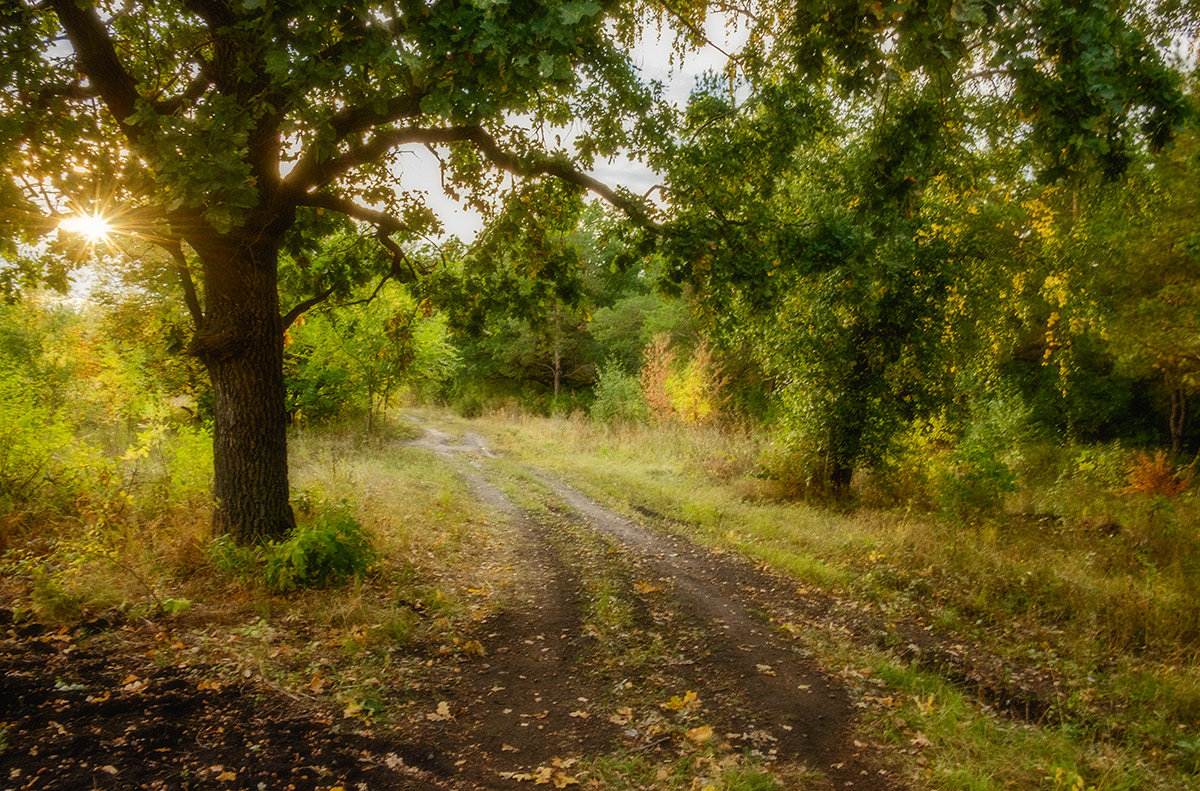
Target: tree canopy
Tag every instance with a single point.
(234, 136)
(256, 150)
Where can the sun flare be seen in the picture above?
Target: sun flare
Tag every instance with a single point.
(92, 227)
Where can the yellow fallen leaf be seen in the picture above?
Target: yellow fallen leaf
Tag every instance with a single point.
(562, 780)
(646, 587)
(442, 714)
(352, 710)
(225, 777)
(689, 702)
(701, 735)
(582, 715)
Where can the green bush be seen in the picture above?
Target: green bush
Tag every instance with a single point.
(975, 480)
(44, 468)
(229, 558)
(323, 551)
(618, 396)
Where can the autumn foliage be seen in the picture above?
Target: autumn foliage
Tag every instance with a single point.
(1157, 474)
(689, 390)
(657, 368)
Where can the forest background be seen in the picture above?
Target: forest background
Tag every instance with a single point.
(931, 279)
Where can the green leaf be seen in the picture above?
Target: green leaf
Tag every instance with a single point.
(572, 13)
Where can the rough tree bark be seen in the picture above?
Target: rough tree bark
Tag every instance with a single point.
(241, 345)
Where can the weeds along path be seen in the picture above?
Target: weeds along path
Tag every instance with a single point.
(636, 643)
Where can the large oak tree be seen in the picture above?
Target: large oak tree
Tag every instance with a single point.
(235, 134)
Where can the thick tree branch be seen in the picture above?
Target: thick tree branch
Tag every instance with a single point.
(185, 280)
(99, 61)
(524, 166)
(540, 164)
(305, 305)
(354, 120)
(191, 94)
(310, 173)
(385, 222)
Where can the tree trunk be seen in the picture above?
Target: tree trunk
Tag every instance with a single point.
(241, 345)
(557, 366)
(370, 405)
(1178, 419)
(840, 477)
(557, 353)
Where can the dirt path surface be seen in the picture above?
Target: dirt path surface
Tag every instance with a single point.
(757, 687)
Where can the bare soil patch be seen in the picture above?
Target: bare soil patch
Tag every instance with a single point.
(92, 707)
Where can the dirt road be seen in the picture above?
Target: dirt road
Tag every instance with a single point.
(700, 627)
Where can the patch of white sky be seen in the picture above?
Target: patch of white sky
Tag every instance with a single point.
(657, 61)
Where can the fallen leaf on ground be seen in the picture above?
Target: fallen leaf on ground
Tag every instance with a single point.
(689, 702)
(518, 776)
(442, 714)
(700, 735)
